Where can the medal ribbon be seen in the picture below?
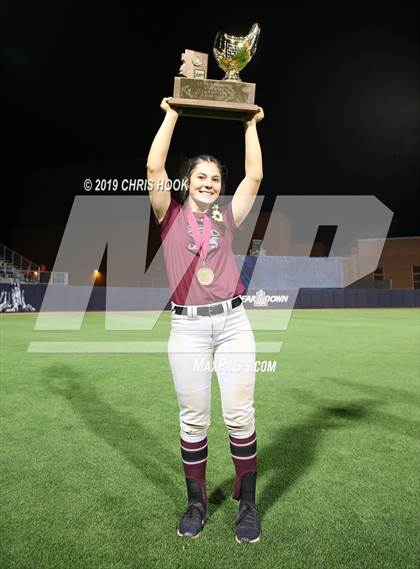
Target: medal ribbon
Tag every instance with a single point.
(200, 239)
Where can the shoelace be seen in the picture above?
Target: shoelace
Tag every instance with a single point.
(248, 517)
(193, 513)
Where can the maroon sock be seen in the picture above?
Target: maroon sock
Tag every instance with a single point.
(244, 456)
(194, 460)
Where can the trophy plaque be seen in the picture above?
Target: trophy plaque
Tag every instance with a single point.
(229, 98)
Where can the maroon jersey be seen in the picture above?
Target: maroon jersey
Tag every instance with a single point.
(182, 260)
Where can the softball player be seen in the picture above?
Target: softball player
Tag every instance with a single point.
(209, 325)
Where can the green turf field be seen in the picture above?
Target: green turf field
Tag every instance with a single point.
(91, 470)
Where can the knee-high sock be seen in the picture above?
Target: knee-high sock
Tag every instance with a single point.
(244, 456)
(194, 460)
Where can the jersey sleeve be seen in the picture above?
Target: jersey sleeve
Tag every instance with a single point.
(228, 219)
(170, 216)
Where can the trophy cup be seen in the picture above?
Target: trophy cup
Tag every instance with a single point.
(229, 98)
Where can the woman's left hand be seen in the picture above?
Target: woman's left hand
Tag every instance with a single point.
(259, 115)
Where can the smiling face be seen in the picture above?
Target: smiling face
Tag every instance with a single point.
(205, 184)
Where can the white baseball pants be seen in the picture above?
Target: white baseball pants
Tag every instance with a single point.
(224, 343)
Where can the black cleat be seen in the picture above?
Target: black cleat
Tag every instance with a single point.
(193, 520)
(248, 529)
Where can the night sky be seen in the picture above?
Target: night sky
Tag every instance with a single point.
(82, 85)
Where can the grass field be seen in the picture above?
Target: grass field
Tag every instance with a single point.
(89, 481)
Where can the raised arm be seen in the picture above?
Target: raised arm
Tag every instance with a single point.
(157, 159)
(245, 193)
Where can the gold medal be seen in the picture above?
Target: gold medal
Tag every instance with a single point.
(205, 276)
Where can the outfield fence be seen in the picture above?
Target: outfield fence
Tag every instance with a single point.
(29, 298)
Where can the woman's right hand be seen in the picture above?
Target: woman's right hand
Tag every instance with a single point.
(166, 107)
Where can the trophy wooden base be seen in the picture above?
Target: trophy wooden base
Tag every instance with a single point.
(213, 109)
(214, 99)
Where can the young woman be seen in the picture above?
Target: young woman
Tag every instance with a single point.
(209, 325)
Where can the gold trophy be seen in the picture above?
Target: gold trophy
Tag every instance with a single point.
(229, 98)
(233, 53)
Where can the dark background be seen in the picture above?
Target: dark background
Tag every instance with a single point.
(82, 86)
